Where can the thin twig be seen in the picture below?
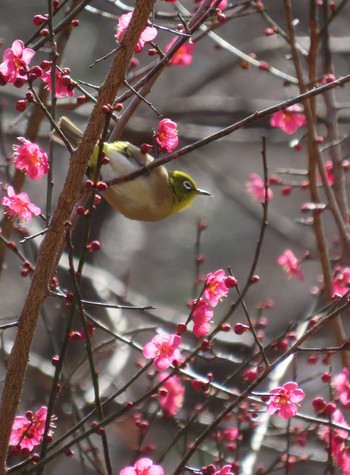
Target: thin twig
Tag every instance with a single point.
(229, 130)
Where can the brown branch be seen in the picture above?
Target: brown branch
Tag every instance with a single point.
(314, 156)
(52, 243)
(230, 407)
(229, 130)
(338, 199)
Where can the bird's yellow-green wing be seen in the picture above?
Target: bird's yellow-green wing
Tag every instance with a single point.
(147, 197)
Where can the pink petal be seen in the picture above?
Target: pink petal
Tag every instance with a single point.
(148, 34)
(17, 48)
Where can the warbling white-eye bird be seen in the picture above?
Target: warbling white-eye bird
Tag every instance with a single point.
(152, 196)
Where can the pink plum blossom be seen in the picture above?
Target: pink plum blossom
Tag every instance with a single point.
(30, 158)
(343, 460)
(222, 5)
(19, 206)
(230, 433)
(64, 83)
(202, 316)
(342, 387)
(285, 400)
(171, 397)
(225, 470)
(335, 438)
(341, 280)
(15, 62)
(256, 188)
(289, 119)
(215, 287)
(143, 466)
(167, 135)
(148, 34)
(27, 432)
(291, 265)
(329, 172)
(323, 431)
(164, 349)
(183, 56)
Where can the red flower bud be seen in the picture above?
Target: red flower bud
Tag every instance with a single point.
(38, 20)
(240, 328)
(181, 328)
(230, 282)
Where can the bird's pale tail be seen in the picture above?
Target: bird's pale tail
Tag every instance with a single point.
(70, 130)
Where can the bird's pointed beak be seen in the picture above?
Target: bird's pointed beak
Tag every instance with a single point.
(199, 191)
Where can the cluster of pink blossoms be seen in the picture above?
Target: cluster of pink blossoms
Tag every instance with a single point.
(291, 265)
(183, 55)
(163, 348)
(217, 286)
(27, 431)
(33, 161)
(336, 440)
(27, 157)
(15, 69)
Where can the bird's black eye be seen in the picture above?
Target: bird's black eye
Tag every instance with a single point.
(188, 185)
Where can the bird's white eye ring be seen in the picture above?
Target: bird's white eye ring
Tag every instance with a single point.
(188, 185)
